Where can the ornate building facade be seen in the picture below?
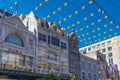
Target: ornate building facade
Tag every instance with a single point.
(51, 44)
(89, 68)
(16, 43)
(74, 56)
(109, 47)
(102, 66)
(31, 47)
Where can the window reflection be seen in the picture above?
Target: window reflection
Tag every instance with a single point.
(14, 39)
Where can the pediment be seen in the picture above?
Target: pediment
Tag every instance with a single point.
(15, 21)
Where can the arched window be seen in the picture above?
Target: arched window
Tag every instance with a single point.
(89, 76)
(14, 39)
(95, 77)
(83, 76)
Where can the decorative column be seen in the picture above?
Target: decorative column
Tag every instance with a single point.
(0, 56)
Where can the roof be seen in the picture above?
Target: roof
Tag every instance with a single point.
(6, 13)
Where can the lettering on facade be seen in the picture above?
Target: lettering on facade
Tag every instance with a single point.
(14, 51)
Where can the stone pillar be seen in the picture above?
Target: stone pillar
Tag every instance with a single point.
(0, 56)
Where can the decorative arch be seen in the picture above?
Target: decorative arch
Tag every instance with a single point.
(14, 38)
(83, 75)
(89, 76)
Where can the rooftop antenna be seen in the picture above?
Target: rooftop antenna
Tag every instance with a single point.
(73, 29)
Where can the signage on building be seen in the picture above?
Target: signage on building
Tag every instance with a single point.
(14, 51)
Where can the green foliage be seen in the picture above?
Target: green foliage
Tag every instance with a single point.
(112, 78)
(72, 78)
(49, 77)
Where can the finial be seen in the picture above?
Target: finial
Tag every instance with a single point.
(73, 31)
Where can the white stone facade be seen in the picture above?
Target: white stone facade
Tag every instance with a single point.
(50, 55)
(28, 43)
(110, 47)
(15, 49)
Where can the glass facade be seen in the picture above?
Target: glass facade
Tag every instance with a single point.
(16, 60)
(55, 41)
(42, 37)
(12, 59)
(14, 39)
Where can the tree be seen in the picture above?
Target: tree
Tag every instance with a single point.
(72, 78)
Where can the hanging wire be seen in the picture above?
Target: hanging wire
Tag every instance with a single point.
(113, 4)
(115, 21)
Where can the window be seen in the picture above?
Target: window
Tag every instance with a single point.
(98, 46)
(89, 76)
(55, 41)
(63, 45)
(109, 48)
(0, 15)
(53, 56)
(104, 50)
(5, 58)
(110, 60)
(83, 76)
(103, 44)
(29, 61)
(95, 77)
(72, 56)
(89, 48)
(110, 54)
(12, 59)
(30, 42)
(48, 39)
(42, 37)
(14, 39)
(93, 47)
(55, 28)
(42, 24)
(109, 42)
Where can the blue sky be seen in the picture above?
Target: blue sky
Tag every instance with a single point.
(94, 20)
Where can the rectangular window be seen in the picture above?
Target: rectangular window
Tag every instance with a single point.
(29, 61)
(93, 47)
(30, 42)
(42, 24)
(63, 45)
(55, 28)
(89, 49)
(48, 39)
(53, 56)
(103, 44)
(109, 42)
(110, 60)
(5, 57)
(104, 50)
(42, 37)
(110, 54)
(55, 41)
(109, 48)
(98, 46)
